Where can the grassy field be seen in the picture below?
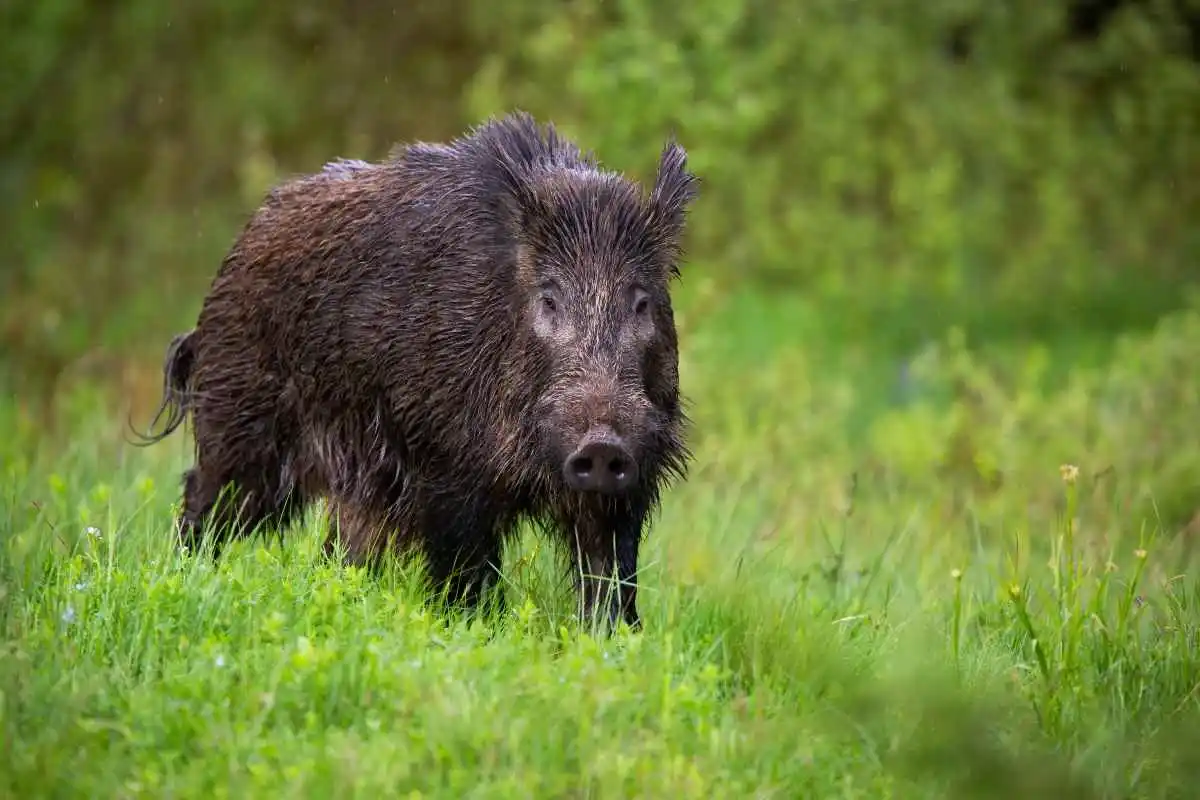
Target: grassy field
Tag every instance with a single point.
(876, 583)
(939, 538)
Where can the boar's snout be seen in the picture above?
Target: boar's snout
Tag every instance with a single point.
(601, 463)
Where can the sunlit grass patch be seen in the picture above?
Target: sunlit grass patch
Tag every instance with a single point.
(821, 619)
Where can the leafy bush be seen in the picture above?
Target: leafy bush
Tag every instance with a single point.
(138, 136)
(1032, 182)
(844, 151)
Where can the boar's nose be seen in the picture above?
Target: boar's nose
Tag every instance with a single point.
(601, 463)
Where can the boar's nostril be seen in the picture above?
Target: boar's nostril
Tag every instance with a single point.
(600, 466)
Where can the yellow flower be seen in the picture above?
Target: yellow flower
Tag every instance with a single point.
(1069, 473)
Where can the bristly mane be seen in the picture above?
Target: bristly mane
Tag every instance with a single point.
(514, 154)
(520, 143)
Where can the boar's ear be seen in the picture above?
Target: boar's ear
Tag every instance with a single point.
(674, 190)
(517, 200)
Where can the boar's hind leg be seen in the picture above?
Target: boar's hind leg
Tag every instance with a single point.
(228, 506)
(604, 557)
(362, 532)
(457, 537)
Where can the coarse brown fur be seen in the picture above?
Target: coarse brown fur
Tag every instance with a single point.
(428, 340)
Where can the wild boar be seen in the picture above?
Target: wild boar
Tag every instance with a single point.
(443, 344)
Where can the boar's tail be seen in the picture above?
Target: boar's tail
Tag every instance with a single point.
(176, 399)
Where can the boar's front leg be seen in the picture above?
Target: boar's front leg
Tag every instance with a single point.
(462, 541)
(604, 557)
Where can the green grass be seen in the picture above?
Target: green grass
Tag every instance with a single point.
(822, 620)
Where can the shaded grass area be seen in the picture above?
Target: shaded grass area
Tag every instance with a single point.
(837, 603)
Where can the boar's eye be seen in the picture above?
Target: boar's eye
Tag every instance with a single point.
(641, 303)
(548, 298)
(545, 311)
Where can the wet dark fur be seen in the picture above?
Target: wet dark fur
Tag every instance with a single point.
(370, 338)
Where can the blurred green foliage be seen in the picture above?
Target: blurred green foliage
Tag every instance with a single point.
(846, 153)
(138, 136)
(1131, 423)
(858, 152)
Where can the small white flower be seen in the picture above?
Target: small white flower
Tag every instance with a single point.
(219, 661)
(92, 530)
(68, 616)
